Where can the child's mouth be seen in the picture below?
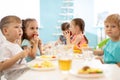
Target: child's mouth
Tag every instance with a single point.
(34, 35)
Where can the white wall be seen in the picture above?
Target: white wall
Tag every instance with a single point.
(22, 8)
(84, 9)
(102, 8)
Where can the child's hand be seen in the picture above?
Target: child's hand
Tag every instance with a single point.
(25, 52)
(67, 34)
(39, 42)
(34, 40)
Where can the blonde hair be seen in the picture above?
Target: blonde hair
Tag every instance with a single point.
(5, 21)
(113, 18)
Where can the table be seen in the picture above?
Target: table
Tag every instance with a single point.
(111, 72)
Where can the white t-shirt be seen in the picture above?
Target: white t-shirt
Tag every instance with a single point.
(2, 38)
(8, 50)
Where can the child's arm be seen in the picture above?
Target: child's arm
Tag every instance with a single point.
(8, 63)
(35, 44)
(40, 46)
(77, 40)
(118, 64)
(98, 52)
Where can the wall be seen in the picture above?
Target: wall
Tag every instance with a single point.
(49, 10)
(85, 10)
(49, 14)
(22, 8)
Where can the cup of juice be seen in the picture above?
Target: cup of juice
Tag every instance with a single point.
(65, 62)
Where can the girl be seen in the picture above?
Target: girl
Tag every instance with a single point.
(64, 27)
(30, 38)
(111, 52)
(12, 62)
(77, 28)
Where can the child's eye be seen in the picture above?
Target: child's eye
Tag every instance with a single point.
(37, 28)
(17, 26)
(113, 26)
(106, 26)
(32, 27)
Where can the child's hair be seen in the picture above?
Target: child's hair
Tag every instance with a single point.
(80, 22)
(25, 23)
(113, 18)
(5, 21)
(65, 26)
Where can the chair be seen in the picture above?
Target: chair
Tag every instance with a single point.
(103, 43)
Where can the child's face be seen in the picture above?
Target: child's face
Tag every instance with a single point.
(13, 31)
(112, 30)
(65, 31)
(32, 29)
(72, 27)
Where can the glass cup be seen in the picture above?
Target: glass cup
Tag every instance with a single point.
(65, 62)
(87, 53)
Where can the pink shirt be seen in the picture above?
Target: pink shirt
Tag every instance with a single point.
(82, 41)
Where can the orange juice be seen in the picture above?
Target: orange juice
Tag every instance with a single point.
(65, 64)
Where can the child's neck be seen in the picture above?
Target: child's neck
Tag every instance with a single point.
(77, 33)
(12, 41)
(115, 39)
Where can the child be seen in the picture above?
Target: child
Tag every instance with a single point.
(12, 56)
(64, 27)
(30, 38)
(111, 52)
(77, 28)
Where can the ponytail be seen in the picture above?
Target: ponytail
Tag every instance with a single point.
(86, 39)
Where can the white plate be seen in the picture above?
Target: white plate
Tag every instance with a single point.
(75, 73)
(31, 64)
(46, 57)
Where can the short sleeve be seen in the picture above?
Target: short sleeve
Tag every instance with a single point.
(4, 53)
(117, 55)
(25, 42)
(2, 38)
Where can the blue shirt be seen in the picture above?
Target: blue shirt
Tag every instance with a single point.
(62, 39)
(26, 43)
(112, 52)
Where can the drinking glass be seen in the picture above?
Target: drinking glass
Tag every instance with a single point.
(87, 53)
(65, 62)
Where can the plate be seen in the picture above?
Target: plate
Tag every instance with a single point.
(97, 75)
(47, 57)
(42, 65)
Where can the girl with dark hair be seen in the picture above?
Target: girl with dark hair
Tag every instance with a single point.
(64, 28)
(30, 38)
(77, 27)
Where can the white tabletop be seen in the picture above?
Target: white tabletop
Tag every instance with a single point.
(110, 72)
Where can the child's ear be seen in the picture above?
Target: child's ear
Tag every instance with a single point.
(4, 30)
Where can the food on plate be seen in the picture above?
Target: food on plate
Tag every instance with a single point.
(84, 45)
(44, 64)
(76, 49)
(53, 56)
(48, 56)
(89, 70)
